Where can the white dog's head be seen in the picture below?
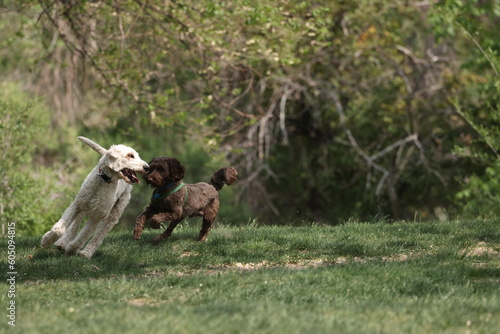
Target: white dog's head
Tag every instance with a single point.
(123, 160)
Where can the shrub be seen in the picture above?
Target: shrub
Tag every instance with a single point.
(24, 195)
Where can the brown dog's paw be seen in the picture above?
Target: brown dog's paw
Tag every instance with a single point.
(156, 220)
(155, 225)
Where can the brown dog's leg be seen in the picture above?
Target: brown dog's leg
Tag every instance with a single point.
(139, 223)
(209, 215)
(139, 226)
(167, 232)
(205, 228)
(154, 225)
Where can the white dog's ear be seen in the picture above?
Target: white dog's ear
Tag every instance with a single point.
(96, 147)
(113, 160)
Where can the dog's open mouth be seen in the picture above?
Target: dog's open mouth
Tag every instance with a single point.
(130, 176)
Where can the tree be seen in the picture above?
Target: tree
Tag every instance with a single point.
(475, 97)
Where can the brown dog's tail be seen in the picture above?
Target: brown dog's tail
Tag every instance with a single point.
(227, 175)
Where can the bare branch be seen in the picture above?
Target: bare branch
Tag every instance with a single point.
(230, 107)
(282, 115)
(393, 146)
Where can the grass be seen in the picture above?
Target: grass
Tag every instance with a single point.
(353, 278)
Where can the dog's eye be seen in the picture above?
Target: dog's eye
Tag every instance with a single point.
(130, 155)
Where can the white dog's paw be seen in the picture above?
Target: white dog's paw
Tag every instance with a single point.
(70, 249)
(49, 238)
(61, 244)
(85, 253)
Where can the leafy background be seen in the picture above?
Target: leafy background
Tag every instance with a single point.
(331, 111)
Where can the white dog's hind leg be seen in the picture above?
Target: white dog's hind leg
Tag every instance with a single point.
(105, 226)
(60, 227)
(51, 236)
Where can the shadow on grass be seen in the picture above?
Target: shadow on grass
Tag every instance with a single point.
(119, 255)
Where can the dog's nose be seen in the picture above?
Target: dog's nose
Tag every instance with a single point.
(146, 168)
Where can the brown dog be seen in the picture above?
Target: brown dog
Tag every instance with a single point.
(173, 200)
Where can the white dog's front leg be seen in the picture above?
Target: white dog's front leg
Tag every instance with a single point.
(71, 232)
(74, 245)
(102, 230)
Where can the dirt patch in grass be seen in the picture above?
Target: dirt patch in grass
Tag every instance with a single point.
(141, 302)
(480, 249)
(188, 254)
(302, 264)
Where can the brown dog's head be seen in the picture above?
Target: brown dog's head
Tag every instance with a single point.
(163, 171)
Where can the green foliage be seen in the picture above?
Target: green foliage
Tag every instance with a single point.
(480, 196)
(22, 126)
(352, 278)
(477, 99)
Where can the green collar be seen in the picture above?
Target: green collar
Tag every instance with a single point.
(157, 197)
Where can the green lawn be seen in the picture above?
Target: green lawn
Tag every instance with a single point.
(353, 278)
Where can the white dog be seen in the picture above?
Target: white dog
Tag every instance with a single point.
(102, 197)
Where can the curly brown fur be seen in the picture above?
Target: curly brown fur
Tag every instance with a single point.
(165, 174)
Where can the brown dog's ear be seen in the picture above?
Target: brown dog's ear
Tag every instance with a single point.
(176, 169)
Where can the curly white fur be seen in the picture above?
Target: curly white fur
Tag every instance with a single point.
(102, 197)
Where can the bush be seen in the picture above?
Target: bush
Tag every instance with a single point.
(24, 192)
(480, 197)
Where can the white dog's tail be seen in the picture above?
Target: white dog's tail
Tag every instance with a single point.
(96, 147)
